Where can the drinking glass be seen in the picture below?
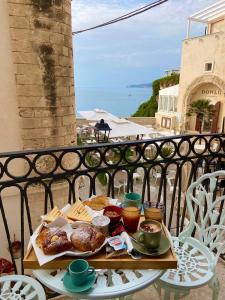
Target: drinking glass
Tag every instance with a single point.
(154, 211)
(131, 216)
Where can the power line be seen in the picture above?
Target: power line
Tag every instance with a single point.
(124, 17)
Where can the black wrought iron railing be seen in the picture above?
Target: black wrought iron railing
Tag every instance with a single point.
(160, 169)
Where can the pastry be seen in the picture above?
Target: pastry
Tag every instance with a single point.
(54, 213)
(78, 212)
(97, 202)
(87, 238)
(53, 240)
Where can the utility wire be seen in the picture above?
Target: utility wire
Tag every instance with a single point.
(124, 17)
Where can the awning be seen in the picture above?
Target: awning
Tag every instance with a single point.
(210, 14)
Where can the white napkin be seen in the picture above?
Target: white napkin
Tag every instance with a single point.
(127, 239)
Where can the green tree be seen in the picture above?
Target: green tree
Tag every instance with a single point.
(149, 108)
(202, 109)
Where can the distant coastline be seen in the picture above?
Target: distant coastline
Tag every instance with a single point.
(142, 85)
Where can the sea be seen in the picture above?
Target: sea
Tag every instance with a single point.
(120, 101)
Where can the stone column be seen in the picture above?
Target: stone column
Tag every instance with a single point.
(42, 54)
(10, 134)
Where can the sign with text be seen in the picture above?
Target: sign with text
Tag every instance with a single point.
(211, 92)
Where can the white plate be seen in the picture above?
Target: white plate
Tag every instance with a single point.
(43, 259)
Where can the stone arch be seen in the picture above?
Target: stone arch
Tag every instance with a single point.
(195, 84)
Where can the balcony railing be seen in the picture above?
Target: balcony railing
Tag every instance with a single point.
(160, 169)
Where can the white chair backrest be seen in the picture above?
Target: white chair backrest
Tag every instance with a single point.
(169, 181)
(203, 200)
(141, 172)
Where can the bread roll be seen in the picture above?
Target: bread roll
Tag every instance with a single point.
(87, 238)
(97, 202)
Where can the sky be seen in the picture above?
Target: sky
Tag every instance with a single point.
(137, 50)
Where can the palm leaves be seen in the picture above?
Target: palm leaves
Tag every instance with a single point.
(203, 109)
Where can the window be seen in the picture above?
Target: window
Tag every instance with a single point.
(175, 104)
(167, 103)
(208, 67)
(160, 104)
(166, 122)
(170, 103)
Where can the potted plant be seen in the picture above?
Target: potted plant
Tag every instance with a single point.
(166, 151)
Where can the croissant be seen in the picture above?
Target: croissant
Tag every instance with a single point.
(53, 241)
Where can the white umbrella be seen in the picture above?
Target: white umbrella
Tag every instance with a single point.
(119, 127)
(123, 127)
(97, 114)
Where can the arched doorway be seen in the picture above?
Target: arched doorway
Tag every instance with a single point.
(211, 88)
(211, 124)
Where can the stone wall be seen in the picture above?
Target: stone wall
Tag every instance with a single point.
(43, 59)
(143, 120)
(193, 77)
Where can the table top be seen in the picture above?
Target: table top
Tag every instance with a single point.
(108, 284)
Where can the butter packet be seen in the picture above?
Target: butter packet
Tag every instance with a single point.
(117, 242)
(116, 247)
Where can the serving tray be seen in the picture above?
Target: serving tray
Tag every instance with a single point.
(99, 260)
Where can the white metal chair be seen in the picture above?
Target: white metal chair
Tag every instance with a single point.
(16, 287)
(119, 185)
(141, 173)
(171, 185)
(156, 173)
(197, 257)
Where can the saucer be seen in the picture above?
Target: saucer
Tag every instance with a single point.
(162, 249)
(78, 288)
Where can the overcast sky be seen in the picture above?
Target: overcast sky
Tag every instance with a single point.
(137, 50)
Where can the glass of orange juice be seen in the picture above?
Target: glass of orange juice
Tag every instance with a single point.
(131, 216)
(154, 211)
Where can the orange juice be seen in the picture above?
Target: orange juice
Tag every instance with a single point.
(131, 217)
(154, 211)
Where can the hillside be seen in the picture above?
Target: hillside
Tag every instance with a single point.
(149, 108)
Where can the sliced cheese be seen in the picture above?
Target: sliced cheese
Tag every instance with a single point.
(78, 212)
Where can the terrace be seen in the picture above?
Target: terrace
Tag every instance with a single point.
(32, 182)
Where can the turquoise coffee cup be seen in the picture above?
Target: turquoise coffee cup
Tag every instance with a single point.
(80, 271)
(133, 199)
